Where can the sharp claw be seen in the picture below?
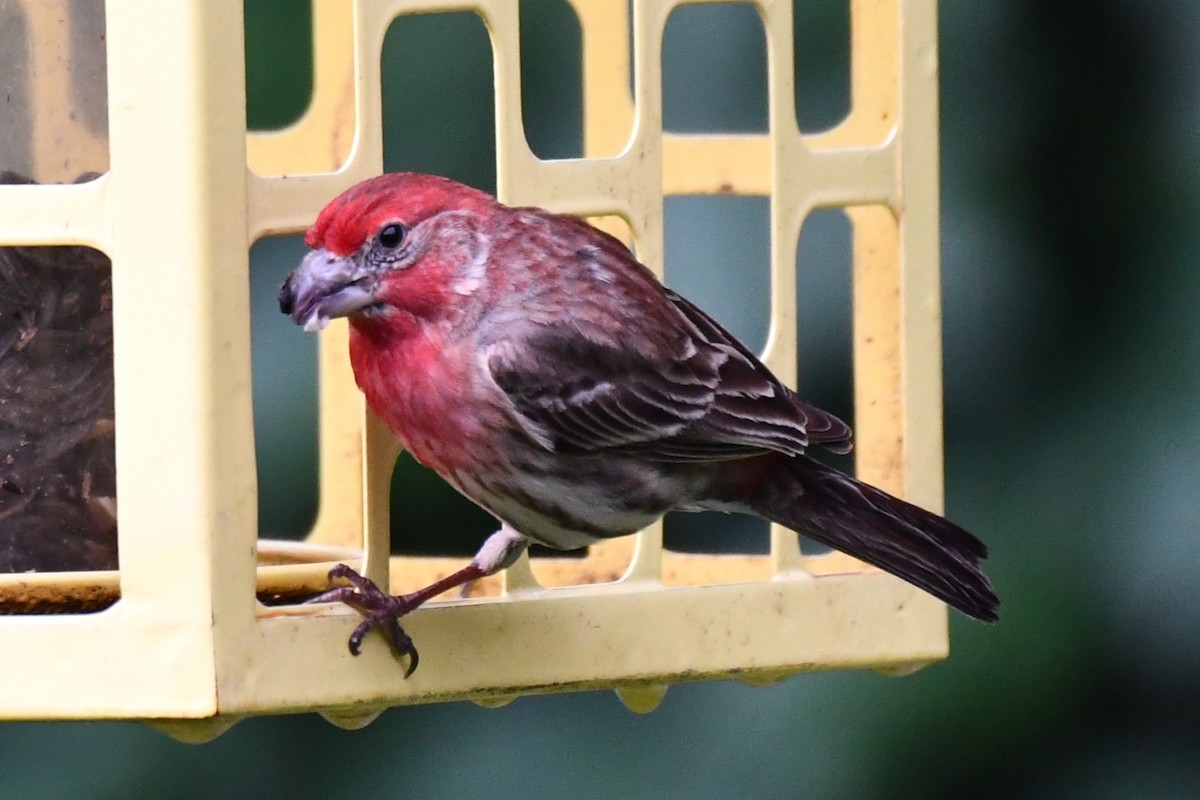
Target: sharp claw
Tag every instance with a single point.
(401, 643)
(380, 610)
(339, 594)
(343, 572)
(414, 658)
(355, 641)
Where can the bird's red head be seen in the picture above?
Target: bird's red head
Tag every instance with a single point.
(392, 241)
(407, 198)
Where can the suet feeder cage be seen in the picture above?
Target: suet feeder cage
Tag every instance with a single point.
(151, 96)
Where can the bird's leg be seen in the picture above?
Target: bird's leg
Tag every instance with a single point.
(383, 610)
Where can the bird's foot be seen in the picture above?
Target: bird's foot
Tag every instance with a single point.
(381, 610)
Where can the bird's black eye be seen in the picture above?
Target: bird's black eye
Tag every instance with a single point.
(391, 235)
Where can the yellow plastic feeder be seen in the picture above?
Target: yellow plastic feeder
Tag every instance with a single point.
(177, 636)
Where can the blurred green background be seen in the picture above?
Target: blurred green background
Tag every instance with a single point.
(1070, 176)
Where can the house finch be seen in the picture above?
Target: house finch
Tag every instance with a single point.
(531, 361)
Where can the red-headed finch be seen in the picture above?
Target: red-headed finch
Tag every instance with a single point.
(531, 361)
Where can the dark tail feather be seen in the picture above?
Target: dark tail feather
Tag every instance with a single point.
(924, 549)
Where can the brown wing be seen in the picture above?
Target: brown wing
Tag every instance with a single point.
(706, 398)
(734, 412)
